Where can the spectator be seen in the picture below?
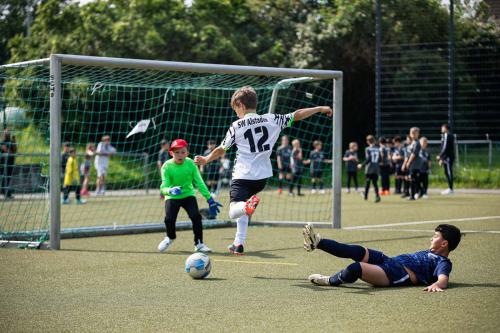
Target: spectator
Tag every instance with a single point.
(64, 158)
(385, 166)
(371, 164)
(446, 156)
(8, 149)
(297, 166)
(163, 156)
(397, 160)
(406, 174)
(85, 168)
(283, 158)
(316, 160)
(72, 178)
(426, 168)
(103, 152)
(351, 160)
(414, 163)
(211, 170)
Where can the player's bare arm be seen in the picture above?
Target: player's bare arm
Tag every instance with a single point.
(215, 154)
(306, 113)
(439, 285)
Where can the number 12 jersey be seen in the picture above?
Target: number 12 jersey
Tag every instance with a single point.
(255, 136)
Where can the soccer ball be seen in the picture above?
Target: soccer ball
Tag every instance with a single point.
(198, 265)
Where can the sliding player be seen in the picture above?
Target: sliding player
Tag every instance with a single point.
(254, 136)
(428, 267)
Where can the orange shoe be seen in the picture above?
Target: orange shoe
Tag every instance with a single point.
(280, 190)
(251, 204)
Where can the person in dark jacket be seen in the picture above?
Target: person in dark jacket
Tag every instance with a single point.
(446, 156)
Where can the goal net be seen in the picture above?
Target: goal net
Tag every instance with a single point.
(138, 104)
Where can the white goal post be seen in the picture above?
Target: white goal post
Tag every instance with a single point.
(288, 76)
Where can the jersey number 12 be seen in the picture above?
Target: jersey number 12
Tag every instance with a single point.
(260, 144)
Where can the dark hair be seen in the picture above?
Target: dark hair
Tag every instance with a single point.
(397, 138)
(370, 138)
(66, 144)
(211, 142)
(446, 126)
(451, 234)
(72, 150)
(382, 140)
(246, 96)
(163, 142)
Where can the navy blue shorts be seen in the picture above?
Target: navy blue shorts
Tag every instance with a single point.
(316, 173)
(396, 273)
(243, 189)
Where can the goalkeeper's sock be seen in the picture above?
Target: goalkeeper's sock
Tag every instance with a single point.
(354, 252)
(237, 209)
(241, 230)
(348, 275)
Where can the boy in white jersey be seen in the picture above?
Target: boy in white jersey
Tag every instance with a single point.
(254, 136)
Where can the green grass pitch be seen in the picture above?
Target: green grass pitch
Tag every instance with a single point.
(122, 284)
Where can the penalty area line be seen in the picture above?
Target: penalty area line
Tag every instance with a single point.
(465, 219)
(256, 262)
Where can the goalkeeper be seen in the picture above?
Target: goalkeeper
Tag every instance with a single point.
(428, 267)
(177, 177)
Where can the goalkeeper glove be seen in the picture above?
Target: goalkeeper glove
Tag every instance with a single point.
(213, 207)
(176, 190)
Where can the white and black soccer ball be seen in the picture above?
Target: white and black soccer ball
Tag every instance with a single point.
(198, 265)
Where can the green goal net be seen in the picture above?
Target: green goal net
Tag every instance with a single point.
(138, 108)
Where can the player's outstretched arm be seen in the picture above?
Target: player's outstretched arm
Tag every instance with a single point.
(215, 154)
(439, 285)
(306, 113)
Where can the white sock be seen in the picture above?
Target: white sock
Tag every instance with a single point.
(236, 209)
(241, 230)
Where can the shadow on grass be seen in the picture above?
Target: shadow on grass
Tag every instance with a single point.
(209, 279)
(454, 285)
(277, 278)
(263, 254)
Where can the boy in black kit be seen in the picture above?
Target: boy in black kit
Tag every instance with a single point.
(316, 160)
(413, 163)
(426, 168)
(406, 176)
(351, 161)
(283, 156)
(385, 166)
(371, 164)
(397, 160)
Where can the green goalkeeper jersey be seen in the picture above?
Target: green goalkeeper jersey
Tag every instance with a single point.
(183, 175)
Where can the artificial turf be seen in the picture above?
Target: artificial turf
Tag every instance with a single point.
(122, 283)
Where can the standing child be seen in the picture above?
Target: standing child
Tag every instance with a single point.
(426, 168)
(351, 160)
(103, 152)
(283, 158)
(72, 178)
(163, 156)
(316, 160)
(371, 164)
(177, 177)
(254, 136)
(211, 171)
(297, 165)
(385, 166)
(413, 163)
(398, 158)
(85, 168)
(406, 174)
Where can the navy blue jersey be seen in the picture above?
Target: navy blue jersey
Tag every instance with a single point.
(316, 158)
(426, 157)
(352, 164)
(447, 151)
(385, 156)
(296, 161)
(64, 161)
(372, 159)
(398, 152)
(414, 149)
(426, 265)
(212, 167)
(285, 154)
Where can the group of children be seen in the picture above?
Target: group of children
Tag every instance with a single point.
(290, 162)
(77, 177)
(410, 162)
(252, 168)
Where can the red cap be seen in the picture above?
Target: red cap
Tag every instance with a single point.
(179, 143)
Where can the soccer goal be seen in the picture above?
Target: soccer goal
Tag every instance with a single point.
(138, 103)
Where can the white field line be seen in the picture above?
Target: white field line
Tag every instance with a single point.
(431, 231)
(480, 218)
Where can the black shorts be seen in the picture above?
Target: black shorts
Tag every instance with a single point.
(243, 189)
(316, 173)
(395, 272)
(400, 172)
(286, 169)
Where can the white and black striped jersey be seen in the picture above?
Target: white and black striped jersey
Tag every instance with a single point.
(254, 136)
